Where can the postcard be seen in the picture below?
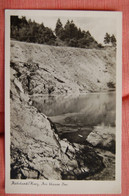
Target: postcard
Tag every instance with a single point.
(63, 78)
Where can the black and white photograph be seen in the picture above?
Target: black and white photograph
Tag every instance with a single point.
(63, 101)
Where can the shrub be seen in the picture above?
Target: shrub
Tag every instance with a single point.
(111, 85)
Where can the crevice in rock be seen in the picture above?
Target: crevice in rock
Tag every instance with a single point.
(61, 81)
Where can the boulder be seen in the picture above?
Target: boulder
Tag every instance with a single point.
(103, 137)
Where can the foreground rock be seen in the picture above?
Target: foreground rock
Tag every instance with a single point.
(103, 137)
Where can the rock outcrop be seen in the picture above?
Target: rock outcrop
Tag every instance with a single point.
(61, 70)
(38, 153)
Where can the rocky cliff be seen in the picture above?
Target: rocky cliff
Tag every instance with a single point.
(60, 70)
(36, 150)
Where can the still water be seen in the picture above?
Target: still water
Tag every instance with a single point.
(76, 116)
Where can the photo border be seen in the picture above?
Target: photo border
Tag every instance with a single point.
(72, 187)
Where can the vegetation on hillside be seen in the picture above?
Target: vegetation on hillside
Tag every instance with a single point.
(74, 36)
(67, 35)
(28, 31)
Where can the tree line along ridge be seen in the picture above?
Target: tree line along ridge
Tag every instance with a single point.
(67, 35)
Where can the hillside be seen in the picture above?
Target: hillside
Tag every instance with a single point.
(59, 70)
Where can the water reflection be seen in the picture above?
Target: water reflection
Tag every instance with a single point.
(75, 116)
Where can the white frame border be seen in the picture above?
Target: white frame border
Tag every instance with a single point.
(73, 187)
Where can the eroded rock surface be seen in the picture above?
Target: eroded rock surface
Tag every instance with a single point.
(60, 70)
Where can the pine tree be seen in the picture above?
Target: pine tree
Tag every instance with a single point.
(107, 38)
(113, 40)
(59, 27)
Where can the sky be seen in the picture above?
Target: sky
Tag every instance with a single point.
(98, 26)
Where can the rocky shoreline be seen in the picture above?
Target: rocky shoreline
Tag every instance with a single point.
(37, 151)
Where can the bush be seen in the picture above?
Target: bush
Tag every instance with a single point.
(100, 46)
(111, 85)
(73, 42)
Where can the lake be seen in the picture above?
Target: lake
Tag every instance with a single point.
(76, 116)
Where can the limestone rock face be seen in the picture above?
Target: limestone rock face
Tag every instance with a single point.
(60, 70)
(33, 146)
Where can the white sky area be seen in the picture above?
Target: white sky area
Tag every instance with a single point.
(97, 26)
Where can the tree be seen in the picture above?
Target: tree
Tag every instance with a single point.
(79, 34)
(67, 30)
(23, 21)
(73, 42)
(15, 21)
(49, 37)
(70, 29)
(59, 30)
(113, 40)
(107, 38)
(59, 27)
